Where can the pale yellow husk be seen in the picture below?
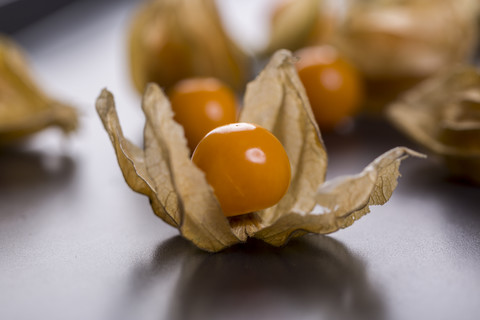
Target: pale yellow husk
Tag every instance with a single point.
(443, 115)
(181, 196)
(171, 40)
(397, 43)
(24, 108)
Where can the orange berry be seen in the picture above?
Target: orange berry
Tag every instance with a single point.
(246, 165)
(333, 86)
(200, 105)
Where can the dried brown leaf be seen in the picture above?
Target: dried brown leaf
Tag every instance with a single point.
(342, 201)
(132, 162)
(202, 220)
(277, 101)
(24, 108)
(443, 115)
(177, 189)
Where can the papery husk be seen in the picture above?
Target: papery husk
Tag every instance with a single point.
(178, 190)
(396, 43)
(277, 101)
(298, 23)
(24, 108)
(181, 195)
(171, 40)
(443, 115)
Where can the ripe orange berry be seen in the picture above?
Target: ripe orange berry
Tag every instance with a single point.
(246, 165)
(333, 86)
(201, 105)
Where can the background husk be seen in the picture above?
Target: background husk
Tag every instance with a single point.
(24, 108)
(297, 23)
(443, 115)
(181, 196)
(175, 39)
(397, 43)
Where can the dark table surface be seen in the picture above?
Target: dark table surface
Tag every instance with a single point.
(77, 243)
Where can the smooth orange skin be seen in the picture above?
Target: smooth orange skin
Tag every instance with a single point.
(200, 105)
(334, 88)
(246, 165)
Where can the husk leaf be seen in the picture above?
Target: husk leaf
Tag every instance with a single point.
(24, 108)
(202, 220)
(181, 195)
(277, 101)
(396, 43)
(342, 201)
(443, 115)
(177, 189)
(132, 162)
(295, 24)
(175, 39)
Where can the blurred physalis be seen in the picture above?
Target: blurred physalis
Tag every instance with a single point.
(24, 108)
(171, 40)
(334, 87)
(397, 43)
(181, 195)
(297, 23)
(443, 115)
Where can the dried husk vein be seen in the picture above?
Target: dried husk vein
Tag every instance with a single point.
(276, 100)
(342, 201)
(179, 194)
(24, 108)
(131, 158)
(443, 115)
(286, 112)
(202, 219)
(157, 158)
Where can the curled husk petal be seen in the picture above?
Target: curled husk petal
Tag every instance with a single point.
(178, 190)
(181, 195)
(342, 201)
(175, 39)
(397, 43)
(277, 101)
(24, 108)
(133, 163)
(443, 115)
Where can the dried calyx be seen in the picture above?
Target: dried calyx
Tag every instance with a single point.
(276, 100)
(397, 43)
(171, 40)
(24, 108)
(443, 115)
(298, 23)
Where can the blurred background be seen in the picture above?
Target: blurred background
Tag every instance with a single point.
(17, 14)
(77, 243)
